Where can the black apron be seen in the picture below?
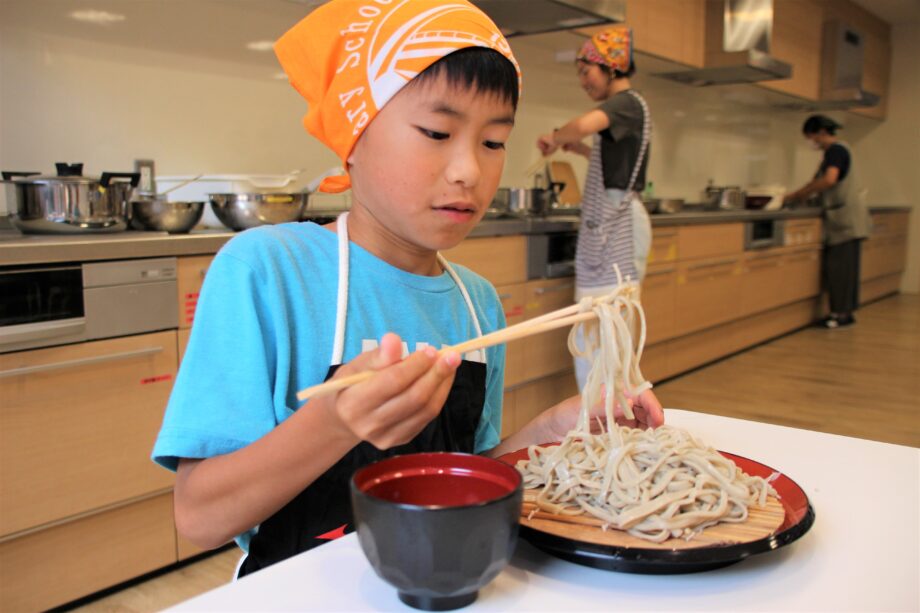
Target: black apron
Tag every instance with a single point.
(322, 512)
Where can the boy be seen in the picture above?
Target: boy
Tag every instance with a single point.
(418, 99)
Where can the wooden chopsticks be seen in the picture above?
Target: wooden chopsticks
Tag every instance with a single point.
(550, 321)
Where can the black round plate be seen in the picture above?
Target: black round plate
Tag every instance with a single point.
(800, 516)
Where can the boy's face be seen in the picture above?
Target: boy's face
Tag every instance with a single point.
(427, 167)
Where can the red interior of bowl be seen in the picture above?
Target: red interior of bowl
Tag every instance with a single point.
(438, 479)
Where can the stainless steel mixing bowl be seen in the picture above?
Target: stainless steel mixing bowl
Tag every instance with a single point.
(242, 211)
(163, 216)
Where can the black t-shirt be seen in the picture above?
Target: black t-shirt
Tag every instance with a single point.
(620, 143)
(836, 155)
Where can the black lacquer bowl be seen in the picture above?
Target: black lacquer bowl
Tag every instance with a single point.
(437, 526)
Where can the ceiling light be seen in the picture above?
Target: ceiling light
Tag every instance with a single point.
(260, 45)
(101, 18)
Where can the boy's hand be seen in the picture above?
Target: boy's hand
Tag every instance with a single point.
(392, 407)
(564, 416)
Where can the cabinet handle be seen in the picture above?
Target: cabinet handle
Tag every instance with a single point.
(768, 262)
(505, 296)
(29, 370)
(656, 273)
(558, 288)
(711, 265)
(36, 331)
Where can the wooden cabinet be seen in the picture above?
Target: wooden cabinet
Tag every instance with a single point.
(547, 353)
(190, 276)
(884, 255)
(763, 277)
(801, 274)
(535, 397)
(50, 567)
(501, 260)
(659, 298)
(77, 426)
(797, 40)
(669, 29)
(709, 241)
(182, 341)
(707, 293)
(885, 252)
(664, 246)
(800, 232)
(513, 298)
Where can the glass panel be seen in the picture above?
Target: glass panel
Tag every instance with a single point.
(33, 294)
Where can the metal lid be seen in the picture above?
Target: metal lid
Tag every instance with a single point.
(66, 173)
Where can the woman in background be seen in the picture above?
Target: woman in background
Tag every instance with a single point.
(615, 227)
(846, 219)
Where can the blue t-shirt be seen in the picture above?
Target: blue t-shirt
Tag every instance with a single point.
(264, 329)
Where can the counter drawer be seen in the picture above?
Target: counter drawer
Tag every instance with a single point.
(762, 282)
(883, 256)
(707, 293)
(501, 260)
(513, 298)
(50, 567)
(664, 246)
(659, 291)
(77, 426)
(190, 277)
(802, 232)
(709, 241)
(802, 275)
(547, 353)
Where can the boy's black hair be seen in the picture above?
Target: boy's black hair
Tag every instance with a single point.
(616, 74)
(816, 123)
(485, 70)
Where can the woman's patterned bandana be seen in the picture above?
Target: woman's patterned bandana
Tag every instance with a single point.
(349, 57)
(612, 47)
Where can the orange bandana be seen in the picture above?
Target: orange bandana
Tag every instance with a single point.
(349, 57)
(612, 47)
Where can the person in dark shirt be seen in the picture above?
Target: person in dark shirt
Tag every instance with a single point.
(846, 220)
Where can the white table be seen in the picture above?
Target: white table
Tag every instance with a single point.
(862, 554)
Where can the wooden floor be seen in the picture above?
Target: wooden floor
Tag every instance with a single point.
(861, 381)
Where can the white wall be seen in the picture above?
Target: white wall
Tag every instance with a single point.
(68, 99)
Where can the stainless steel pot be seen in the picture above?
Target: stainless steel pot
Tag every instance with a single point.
(68, 202)
(725, 198)
(533, 201)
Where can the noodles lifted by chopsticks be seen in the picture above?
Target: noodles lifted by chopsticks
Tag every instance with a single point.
(654, 484)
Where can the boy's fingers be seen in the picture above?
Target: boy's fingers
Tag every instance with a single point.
(400, 417)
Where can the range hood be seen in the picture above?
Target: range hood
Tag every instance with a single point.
(841, 69)
(737, 39)
(522, 17)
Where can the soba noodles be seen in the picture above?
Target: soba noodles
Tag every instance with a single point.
(653, 484)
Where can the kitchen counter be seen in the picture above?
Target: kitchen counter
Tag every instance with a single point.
(860, 555)
(17, 248)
